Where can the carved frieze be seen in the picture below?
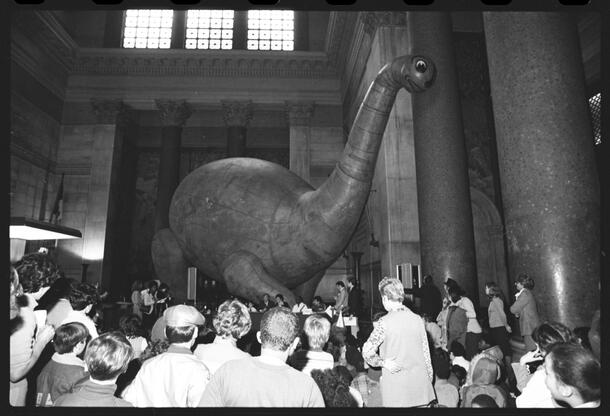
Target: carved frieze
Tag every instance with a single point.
(299, 113)
(178, 62)
(373, 20)
(237, 113)
(173, 112)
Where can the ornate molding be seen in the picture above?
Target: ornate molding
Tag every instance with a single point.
(44, 30)
(299, 113)
(237, 113)
(179, 62)
(373, 20)
(173, 112)
(107, 111)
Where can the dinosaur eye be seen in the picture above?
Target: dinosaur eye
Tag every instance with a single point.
(421, 66)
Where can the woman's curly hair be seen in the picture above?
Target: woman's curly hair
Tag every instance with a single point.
(334, 390)
(232, 319)
(37, 270)
(153, 349)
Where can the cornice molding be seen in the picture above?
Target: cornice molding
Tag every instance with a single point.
(31, 156)
(374, 20)
(183, 62)
(43, 28)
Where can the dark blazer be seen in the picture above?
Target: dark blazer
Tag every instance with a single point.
(527, 312)
(354, 302)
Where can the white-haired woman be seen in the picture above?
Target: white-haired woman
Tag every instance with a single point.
(404, 354)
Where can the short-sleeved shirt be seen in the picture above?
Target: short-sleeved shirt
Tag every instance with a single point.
(175, 378)
(250, 382)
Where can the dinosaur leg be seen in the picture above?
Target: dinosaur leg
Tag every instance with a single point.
(245, 276)
(169, 262)
(308, 289)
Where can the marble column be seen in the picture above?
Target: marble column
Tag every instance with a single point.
(237, 115)
(299, 118)
(443, 194)
(173, 116)
(549, 183)
(393, 200)
(105, 159)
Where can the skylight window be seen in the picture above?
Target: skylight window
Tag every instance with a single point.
(271, 30)
(209, 29)
(146, 28)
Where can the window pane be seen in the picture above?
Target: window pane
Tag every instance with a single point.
(212, 25)
(147, 28)
(275, 29)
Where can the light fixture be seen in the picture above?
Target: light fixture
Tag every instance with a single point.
(30, 229)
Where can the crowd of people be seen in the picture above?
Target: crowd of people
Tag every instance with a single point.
(161, 354)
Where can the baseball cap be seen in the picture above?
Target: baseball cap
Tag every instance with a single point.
(183, 315)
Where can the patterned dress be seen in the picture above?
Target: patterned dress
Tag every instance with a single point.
(401, 335)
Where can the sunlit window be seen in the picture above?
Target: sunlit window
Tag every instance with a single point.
(148, 29)
(209, 29)
(595, 105)
(271, 30)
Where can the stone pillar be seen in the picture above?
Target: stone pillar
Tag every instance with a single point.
(173, 116)
(237, 115)
(549, 183)
(299, 118)
(105, 153)
(394, 183)
(443, 192)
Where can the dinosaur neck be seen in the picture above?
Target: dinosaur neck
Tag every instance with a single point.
(341, 198)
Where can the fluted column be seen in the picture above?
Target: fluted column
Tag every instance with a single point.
(550, 188)
(445, 214)
(237, 115)
(173, 116)
(299, 118)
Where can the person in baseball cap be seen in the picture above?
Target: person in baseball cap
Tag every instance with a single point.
(175, 378)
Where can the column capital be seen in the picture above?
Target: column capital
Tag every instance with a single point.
(299, 112)
(107, 111)
(373, 20)
(173, 112)
(237, 113)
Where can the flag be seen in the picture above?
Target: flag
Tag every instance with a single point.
(58, 205)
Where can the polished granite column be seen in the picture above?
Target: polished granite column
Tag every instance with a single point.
(550, 188)
(443, 192)
(173, 116)
(237, 115)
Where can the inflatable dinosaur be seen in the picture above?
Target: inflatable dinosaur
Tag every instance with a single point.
(260, 228)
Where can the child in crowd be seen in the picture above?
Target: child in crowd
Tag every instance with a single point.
(433, 330)
(66, 366)
(447, 394)
(484, 401)
(107, 357)
(131, 326)
(317, 331)
(82, 299)
(456, 353)
(366, 380)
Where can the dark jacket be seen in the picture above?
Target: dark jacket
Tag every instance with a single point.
(354, 302)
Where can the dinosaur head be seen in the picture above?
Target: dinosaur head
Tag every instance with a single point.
(415, 73)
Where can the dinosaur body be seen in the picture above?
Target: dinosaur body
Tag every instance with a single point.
(260, 228)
